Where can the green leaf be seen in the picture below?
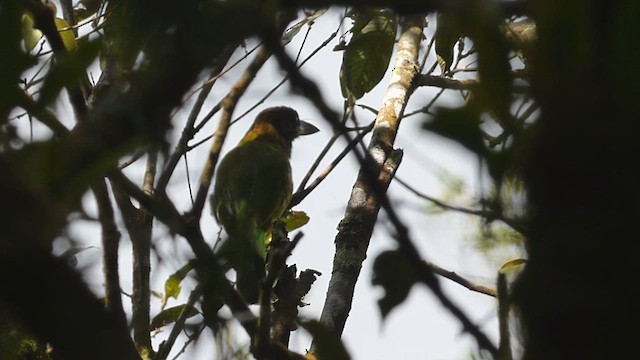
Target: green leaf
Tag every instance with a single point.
(68, 38)
(30, 35)
(448, 32)
(294, 220)
(512, 265)
(14, 59)
(172, 285)
(170, 315)
(328, 343)
(396, 276)
(461, 125)
(366, 57)
(68, 71)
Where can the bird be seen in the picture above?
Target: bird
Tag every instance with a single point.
(253, 188)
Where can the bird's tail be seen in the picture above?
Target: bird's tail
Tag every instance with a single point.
(246, 253)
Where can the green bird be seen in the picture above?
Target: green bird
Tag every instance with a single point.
(253, 189)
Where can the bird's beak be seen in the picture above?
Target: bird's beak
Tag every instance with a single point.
(305, 128)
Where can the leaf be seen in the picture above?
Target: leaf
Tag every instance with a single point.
(294, 220)
(30, 35)
(521, 35)
(68, 38)
(172, 285)
(70, 254)
(304, 282)
(14, 60)
(512, 265)
(483, 22)
(461, 125)
(396, 276)
(448, 32)
(170, 315)
(328, 343)
(366, 57)
(295, 29)
(67, 71)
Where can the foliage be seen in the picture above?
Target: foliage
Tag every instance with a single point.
(367, 55)
(559, 179)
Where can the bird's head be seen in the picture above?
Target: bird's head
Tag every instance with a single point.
(280, 124)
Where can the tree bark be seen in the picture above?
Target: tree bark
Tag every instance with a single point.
(357, 225)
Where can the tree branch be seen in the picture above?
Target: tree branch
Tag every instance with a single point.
(189, 128)
(504, 303)
(228, 106)
(356, 227)
(459, 279)
(409, 6)
(454, 84)
(138, 224)
(301, 193)
(310, 89)
(110, 242)
(178, 326)
(44, 20)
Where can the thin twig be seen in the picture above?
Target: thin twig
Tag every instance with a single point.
(427, 52)
(427, 108)
(136, 156)
(45, 116)
(520, 226)
(189, 129)
(217, 107)
(190, 339)
(442, 204)
(178, 326)
(323, 153)
(460, 280)
(286, 77)
(300, 194)
(217, 75)
(228, 106)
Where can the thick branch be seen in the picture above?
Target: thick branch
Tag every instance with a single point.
(356, 227)
(504, 304)
(110, 243)
(311, 90)
(138, 223)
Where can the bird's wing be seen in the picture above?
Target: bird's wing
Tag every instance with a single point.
(256, 187)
